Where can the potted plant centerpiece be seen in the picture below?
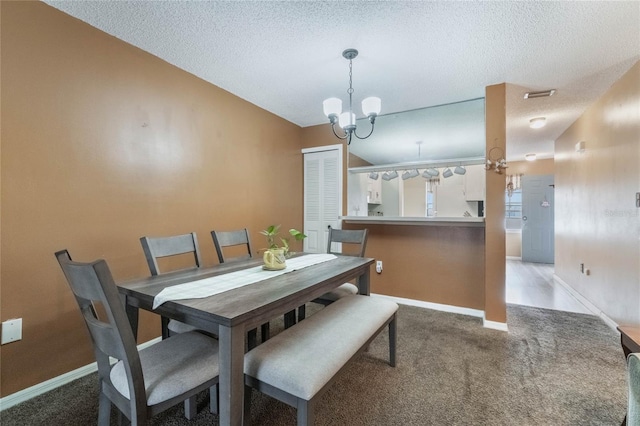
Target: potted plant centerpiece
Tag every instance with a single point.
(275, 256)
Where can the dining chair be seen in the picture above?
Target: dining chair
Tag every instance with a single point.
(141, 383)
(158, 247)
(237, 239)
(356, 244)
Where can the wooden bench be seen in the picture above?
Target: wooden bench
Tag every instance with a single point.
(299, 364)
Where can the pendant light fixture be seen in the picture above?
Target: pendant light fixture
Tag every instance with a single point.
(332, 107)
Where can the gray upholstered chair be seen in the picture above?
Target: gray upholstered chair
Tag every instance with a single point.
(357, 242)
(633, 407)
(158, 247)
(236, 240)
(141, 383)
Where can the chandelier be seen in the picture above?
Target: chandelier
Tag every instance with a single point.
(347, 120)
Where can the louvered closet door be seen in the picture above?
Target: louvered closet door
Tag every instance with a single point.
(322, 196)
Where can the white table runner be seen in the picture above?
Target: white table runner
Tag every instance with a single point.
(219, 284)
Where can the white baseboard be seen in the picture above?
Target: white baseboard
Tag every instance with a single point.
(514, 258)
(35, 390)
(590, 306)
(494, 325)
(447, 308)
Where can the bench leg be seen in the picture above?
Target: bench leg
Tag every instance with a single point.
(305, 412)
(190, 408)
(164, 324)
(393, 341)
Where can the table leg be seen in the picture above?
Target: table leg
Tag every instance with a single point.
(231, 359)
(132, 314)
(363, 283)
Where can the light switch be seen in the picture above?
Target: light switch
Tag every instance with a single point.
(12, 330)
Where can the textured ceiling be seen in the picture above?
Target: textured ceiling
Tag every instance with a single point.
(286, 56)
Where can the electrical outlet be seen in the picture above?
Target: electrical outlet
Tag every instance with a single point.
(379, 266)
(11, 330)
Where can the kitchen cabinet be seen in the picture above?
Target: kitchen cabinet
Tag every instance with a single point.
(374, 190)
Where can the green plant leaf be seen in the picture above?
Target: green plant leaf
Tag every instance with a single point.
(299, 236)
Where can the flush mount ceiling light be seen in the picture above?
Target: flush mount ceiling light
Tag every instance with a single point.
(373, 175)
(347, 120)
(538, 122)
(530, 157)
(459, 170)
(542, 94)
(447, 173)
(389, 175)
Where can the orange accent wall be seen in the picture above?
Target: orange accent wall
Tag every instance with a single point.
(103, 143)
(596, 220)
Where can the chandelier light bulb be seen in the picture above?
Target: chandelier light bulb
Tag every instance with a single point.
(347, 119)
(332, 106)
(371, 106)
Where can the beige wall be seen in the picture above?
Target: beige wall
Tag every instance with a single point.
(597, 222)
(103, 143)
(539, 167)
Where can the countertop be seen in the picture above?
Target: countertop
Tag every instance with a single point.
(415, 221)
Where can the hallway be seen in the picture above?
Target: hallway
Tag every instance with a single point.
(532, 284)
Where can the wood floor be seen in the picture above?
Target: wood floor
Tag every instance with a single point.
(532, 284)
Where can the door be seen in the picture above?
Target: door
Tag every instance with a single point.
(537, 219)
(322, 195)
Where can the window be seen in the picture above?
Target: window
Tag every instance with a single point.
(513, 204)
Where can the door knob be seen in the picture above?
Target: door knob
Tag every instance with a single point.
(524, 218)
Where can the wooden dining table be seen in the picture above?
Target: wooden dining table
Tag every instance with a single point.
(232, 313)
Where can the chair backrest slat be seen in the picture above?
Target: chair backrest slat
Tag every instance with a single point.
(223, 239)
(347, 236)
(157, 247)
(92, 284)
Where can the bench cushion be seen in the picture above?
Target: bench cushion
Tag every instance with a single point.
(302, 359)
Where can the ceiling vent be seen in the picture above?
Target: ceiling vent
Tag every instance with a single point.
(544, 94)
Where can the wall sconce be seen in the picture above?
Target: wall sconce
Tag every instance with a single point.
(580, 147)
(496, 160)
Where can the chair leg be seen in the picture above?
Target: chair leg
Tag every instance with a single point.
(213, 399)
(164, 323)
(393, 341)
(247, 406)
(265, 332)
(302, 311)
(290, 319)
(104, 410)
(190, 408)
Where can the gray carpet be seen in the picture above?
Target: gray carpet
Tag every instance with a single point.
(552, 368)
